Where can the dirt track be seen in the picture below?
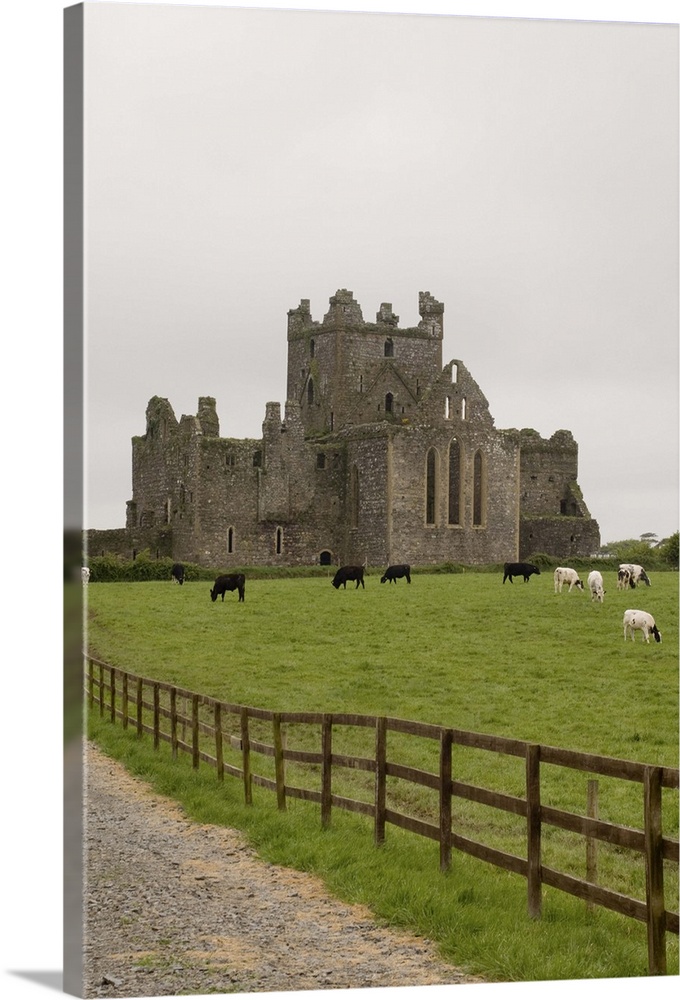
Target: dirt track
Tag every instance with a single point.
(174, 907)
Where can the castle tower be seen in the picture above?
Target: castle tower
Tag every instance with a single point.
(345, 371)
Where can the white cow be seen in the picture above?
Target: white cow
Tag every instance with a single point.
(623, 579)
(637, 574)
(596, 586)
(641, 620)
(564, 575)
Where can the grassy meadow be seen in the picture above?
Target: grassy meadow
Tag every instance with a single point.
(461, 650)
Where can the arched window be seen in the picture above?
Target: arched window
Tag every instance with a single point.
(479, 491)
(310, 392)
(389, 399)
(389, 348)
(431, 487)
(354, 497)
(325, 558)
(454, 372)
(447, 408)
(230, 540)
(279, 541)
(463, 408)
(455, 483)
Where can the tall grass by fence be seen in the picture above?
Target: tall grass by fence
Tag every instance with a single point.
(227, 736)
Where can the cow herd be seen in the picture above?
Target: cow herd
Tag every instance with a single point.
(629, 575)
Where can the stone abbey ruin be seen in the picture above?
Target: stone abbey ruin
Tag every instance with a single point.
(382, 455)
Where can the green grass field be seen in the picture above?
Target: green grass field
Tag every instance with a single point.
(460, 650)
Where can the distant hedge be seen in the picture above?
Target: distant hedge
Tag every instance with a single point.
(110, 568)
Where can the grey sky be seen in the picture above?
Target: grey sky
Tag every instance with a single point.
(523, 171)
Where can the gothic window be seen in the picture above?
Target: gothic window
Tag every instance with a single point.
(463, 408)
(230, 540)
(479, 491)
(389, 399)
(389, 348)
(431, 487)
(455, 483)
(454, 372)
(310, 392)
(354, 498)
(447, 407)
(279, 541)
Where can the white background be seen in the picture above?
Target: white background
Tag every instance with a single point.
(31, 565)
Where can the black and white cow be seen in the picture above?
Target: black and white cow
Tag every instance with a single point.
(519, 569)
(177, 574)
(642, 620)
(346, 573)
(637, 574)
(229, 581)
(396, 572)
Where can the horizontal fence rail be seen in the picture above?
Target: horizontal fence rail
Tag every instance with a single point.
(192, 723)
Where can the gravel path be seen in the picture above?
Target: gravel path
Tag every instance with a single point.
(175, 907)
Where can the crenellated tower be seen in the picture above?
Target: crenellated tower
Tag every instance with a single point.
(344, 371)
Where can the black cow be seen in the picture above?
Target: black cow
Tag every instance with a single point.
(393, 573)
(346, 573)
(519, 569)
(177, 574)
(229, 581)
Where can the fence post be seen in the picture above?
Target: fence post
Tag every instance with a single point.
(219, 754)
(278, 763)
(173, 722)
(90, 681)
(126, 699)
(533, 830)
(326, 755)
(591, 843)
(656, 917)
(101, 690)
(140, 707)
(156, 715)
(245, 749)
(380, 780)
(194, 732)
(113, 695)
(445, 745)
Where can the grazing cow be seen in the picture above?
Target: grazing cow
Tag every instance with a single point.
(642, 620)
(393, 573)
(596, 586)
(346, 573)
(177, 574)
(637, 574)
(519, 569)
(623, 580)
(564, 575)
(229, 581)
(85, 574)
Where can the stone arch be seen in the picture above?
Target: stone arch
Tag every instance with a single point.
(431, 485)
(479, 488)
(455, 491)
(354, 497)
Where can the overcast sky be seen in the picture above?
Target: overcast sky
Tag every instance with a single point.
(523, 171)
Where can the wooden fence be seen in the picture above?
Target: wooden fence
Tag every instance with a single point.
(190, 722)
